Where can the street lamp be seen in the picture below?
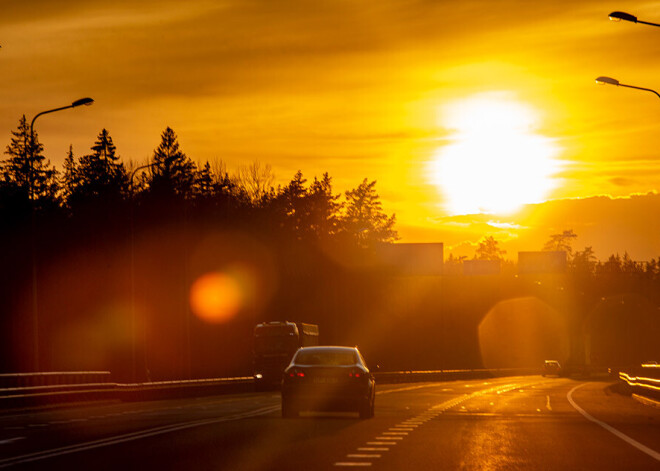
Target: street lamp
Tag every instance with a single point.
(620, 15)
(35, 310)
(611, 81)
(82, 101)
(133, 311)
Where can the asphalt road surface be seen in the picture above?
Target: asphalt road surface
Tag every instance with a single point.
(526, 423)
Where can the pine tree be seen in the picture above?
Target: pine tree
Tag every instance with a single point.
(323, 207)
(27, 170)
(292, 199)
(100, 174)
(173, 172)
(364, 219)
(205, 182)
(70, 178)
(561, 242)
(489, 249)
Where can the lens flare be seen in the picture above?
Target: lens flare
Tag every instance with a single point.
(522, 333)
(216, 297)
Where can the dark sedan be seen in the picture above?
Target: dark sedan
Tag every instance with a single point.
(328, 378)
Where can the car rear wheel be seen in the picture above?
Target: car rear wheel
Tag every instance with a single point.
(288, 409)
(367, 409)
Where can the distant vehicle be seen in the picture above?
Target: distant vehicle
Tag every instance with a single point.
(551, 367)
(274, 344)
(328, 378)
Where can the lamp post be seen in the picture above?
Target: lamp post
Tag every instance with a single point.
(35, 310)
(133, 313)
(611, 81)
(620, 15)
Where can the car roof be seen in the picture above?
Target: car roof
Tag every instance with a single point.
(328, 348)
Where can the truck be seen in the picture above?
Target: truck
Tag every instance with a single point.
(275, 342)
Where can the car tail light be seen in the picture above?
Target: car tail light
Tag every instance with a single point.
(355, 373)
(296, 374)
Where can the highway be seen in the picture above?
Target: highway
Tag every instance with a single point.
(526, 423)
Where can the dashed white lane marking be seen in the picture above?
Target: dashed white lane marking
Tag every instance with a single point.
(643, 448)
(11, 440)
(399, 432)
(547, 404)
(373, 448)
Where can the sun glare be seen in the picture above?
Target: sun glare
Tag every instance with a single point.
(494, 162)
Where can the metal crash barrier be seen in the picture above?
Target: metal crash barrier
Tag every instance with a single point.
(44, 389)
(643, 381)
(22, 380)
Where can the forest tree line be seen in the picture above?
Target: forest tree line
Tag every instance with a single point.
(100, 182)
(95, 243)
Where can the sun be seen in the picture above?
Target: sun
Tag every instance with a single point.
(494, 161)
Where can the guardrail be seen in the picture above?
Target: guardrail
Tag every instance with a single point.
(644, 381)
(18, 380)
(56, 393)
(393, 377)
(32, 396)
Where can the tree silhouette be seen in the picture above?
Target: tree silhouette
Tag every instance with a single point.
(364, 219)
(256, 181)
(584, 262)
(205, 182)
(99, 177)
(173, 173)
(561, 242)
(291, 201)
(70, 178)
(488, 249)
(26, 171)
(323, 208)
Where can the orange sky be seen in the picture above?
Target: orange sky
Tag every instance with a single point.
(357, 89)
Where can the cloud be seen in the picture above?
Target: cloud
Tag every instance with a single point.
(504, 225)
(608, 224)
(620, 181)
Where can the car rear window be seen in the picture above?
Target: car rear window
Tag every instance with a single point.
(327, 358)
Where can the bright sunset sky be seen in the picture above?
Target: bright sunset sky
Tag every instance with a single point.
(462, 111)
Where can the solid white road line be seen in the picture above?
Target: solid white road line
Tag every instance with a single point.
(40, 455)
(609, 428)
(11, 440)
